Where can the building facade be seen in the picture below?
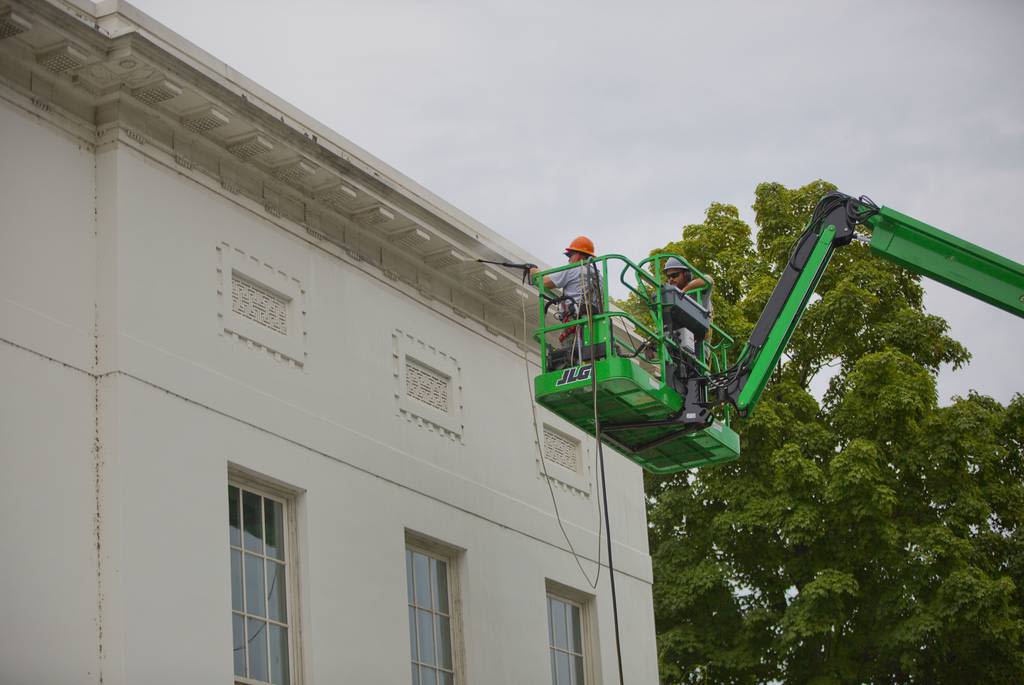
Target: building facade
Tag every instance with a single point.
(263, 417)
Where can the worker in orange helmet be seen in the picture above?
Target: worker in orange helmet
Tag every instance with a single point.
(581, 290)
(570, 281)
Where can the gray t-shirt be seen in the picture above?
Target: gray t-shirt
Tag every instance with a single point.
(570, 281)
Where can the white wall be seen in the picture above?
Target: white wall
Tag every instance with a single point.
(178, 400)
(48, 579)
(47, 242)
(169, 229)
(48, 583)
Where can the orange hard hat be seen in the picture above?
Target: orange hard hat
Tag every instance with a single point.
(581, 244)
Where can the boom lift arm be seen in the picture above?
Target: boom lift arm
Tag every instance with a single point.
(673, 410)
(912, 244)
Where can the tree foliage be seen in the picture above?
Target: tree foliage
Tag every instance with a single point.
(873, 538)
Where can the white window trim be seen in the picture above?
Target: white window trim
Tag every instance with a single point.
(453, 557)
(272, 489)
(588, 626)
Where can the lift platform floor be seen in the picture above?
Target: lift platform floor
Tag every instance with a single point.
(626, 393)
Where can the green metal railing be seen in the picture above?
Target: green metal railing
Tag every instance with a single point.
(599, 328)
(630, 394)
(718, 357)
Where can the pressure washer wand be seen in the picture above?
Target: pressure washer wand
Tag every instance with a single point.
(524, 267)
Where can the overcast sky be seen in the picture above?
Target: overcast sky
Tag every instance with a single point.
(623, 121)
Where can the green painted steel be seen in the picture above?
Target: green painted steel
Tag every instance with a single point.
(626, 393)
(625, 390)
(712, 446)
(631, 393)
(767, 358)
(630, 390)
(928, 251)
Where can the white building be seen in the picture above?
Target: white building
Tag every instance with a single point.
(206, 295)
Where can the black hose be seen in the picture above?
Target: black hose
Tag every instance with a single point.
(600, 453)
(608, 537)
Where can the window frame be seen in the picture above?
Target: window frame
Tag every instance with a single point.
(588, 626)
(452, 556)
(247, 481)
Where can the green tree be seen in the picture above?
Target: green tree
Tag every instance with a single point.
(873, 538)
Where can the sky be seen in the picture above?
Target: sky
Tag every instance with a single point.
(624, 121)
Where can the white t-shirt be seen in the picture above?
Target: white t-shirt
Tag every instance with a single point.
(570, 281)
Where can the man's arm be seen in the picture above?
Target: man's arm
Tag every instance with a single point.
(694, 284)
(700, 283)
(548, 283)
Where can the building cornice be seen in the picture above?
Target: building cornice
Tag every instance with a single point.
(110, 75)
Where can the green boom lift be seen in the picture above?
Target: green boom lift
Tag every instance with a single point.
(664, 394)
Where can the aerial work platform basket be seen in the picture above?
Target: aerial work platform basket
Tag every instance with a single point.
(604, 363)
(657, 384)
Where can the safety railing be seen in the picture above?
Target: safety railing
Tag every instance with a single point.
(598, 329)
(721, 342)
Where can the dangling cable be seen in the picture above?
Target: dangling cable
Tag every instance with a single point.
(547, 478)
(587, 293)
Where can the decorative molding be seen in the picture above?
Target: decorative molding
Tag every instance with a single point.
(254, 302)
(63, 57)
(204, 119)
(91, 85)
(353, 255)
(564, 461)
(420, 370)
(135, 135)
(274, 320)
(561, 449)
(156, 92)
(249, 146)
(12, 24)
(271, 201)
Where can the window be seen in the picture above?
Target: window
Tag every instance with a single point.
(261, 569)
(565, 638)
(430, 617)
